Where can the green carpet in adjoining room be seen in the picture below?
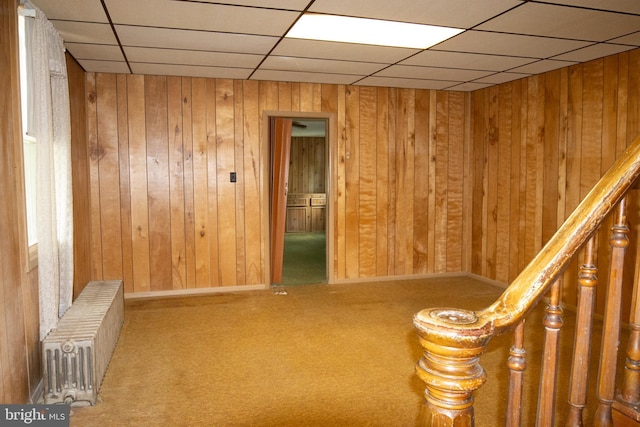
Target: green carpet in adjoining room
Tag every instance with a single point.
(304, 259)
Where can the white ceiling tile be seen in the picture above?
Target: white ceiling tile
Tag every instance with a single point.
(436, 58)
(72, 10)
(93, 51)
(498, 78)
(293, 76)
(190, 71)
(85, 32)
(286, 63)
(194, 40)
(405, 83)
(563, 22)
(342, 51)
(201, 16)
(630, 39)
(432, 73)
(592, 52)
(542, 66)
(228, 39)
(452, 13)
(104, 66)
(271, 4)
(629, 6)
(191, 57)
(509, 44)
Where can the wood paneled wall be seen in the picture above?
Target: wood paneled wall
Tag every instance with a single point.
(164, 215)
(539, 145)
(19, 327)
(80, 177)
(307, 165)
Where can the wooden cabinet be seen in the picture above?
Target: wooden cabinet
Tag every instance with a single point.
(306, 212)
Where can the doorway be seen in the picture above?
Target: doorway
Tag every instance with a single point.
(305, 252)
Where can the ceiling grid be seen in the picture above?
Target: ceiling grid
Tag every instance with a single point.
(503, 40)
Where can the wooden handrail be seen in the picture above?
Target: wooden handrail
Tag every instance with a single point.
(454, 339)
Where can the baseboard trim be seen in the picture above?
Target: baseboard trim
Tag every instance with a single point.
(227, 289)
(416, 277)
(193, 292)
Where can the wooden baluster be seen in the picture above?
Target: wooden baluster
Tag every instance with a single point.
(450, 365)
(631, 380)
(552, 324)
(517, 365)
(611, 329)
(587, 281)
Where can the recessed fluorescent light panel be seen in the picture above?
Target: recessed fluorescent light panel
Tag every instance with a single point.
(369, 31)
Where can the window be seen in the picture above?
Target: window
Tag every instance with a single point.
(29, 143)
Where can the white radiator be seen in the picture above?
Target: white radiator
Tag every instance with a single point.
(75, 355)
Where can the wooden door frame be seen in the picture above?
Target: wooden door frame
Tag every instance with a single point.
(329, 182)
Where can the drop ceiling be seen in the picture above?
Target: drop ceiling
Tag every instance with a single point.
(244, 39)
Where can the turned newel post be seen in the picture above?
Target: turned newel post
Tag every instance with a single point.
(453, 341)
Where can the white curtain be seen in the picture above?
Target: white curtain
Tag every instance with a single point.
(52, 129)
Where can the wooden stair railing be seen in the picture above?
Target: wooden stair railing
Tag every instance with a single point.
(453, 339)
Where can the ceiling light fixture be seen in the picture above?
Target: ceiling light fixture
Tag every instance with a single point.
(369, 31)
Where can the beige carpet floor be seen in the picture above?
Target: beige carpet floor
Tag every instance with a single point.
(317, 355)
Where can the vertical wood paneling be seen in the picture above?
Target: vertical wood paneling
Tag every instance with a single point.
(340, 178)
(493, 169)
(514, 178)
(225, 154)
(189, 213)
(503, 208)
(407, 102)
(633, 97)
(268, 100)
(241, 243)
(94, 177)
(176, 182)
(138, 177)
(285, 96)
(531, 168)
(212, 182)
(382, 181)
(477, 192)
(567, 127)
(404, 188)
(109, 181)
(399, 175)
(352, 183)
(441, 178)
(550, 157)
(200, 182)
(421, 183)
(79, 178)
(158, 182)
(621, 104)
(367, 181)
(125, 188)
(307, 165)
(393, 186)
(455, 185)
(252, 174)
